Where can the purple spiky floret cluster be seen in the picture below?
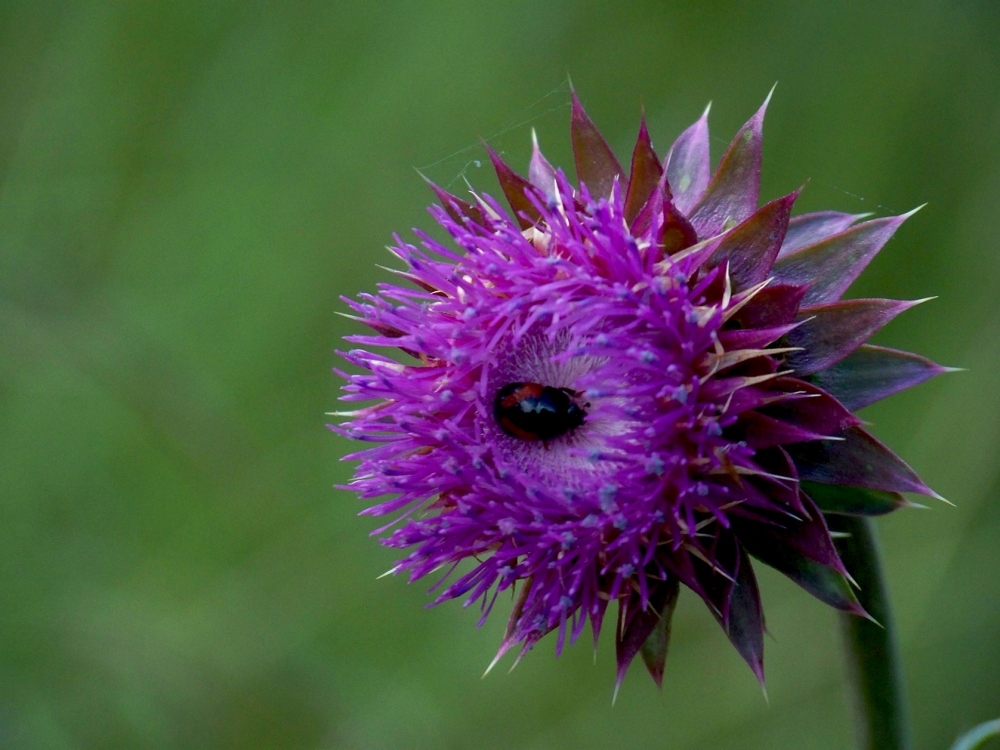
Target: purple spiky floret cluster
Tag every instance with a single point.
(707, 342)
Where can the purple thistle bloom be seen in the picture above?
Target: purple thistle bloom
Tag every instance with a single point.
(636, 384)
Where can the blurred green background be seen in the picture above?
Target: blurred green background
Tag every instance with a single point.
(187, 189)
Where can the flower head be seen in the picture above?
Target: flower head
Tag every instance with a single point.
(626, 386)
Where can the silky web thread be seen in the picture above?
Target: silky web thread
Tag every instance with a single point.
(518, 121)
(522, 119)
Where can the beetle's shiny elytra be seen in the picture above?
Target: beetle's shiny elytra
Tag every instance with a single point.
(531, 411)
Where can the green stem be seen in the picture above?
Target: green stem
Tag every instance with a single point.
(873, 663)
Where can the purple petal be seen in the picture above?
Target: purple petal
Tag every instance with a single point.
(541, 174)
(760, 497)
(811, 538)
(753, 338)
(715, 581)
(831, 266)
(674, 233)
(752, 247)
(514, 187)
(679, 563)
(457, 209)
(655, 647)
(745, 627)
(817, 411)
(753, 398)
(513, 635)
(871, 373)
(809, 229)
(760, 431)
(769, 544)
(688, 166)
(858, 460)
(636, 625)
(774, 305)
(823, 582)
(853, 501)
(830, 332)
(644, 175)
(731, 197)
(596, 165)
(597, 618)
(786, 491)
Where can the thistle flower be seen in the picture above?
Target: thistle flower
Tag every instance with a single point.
(638, 383)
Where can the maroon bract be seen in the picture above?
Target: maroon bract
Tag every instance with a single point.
(706, 344)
